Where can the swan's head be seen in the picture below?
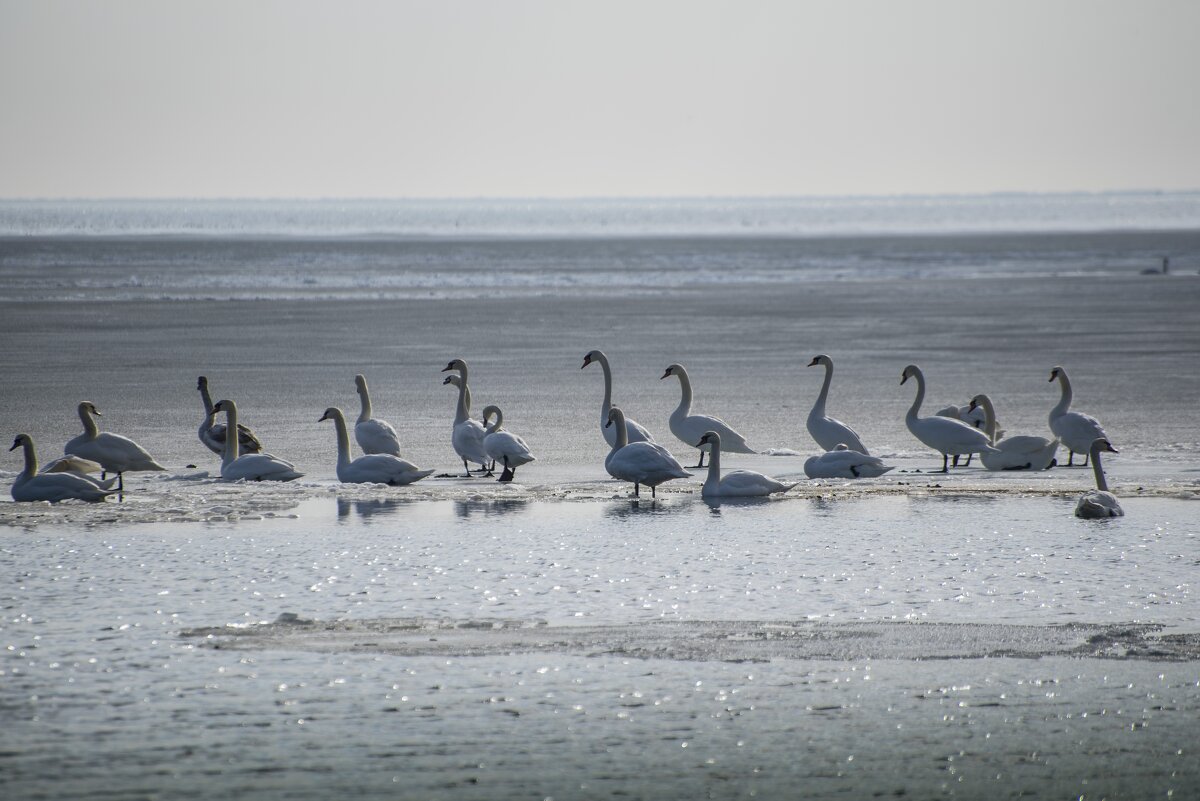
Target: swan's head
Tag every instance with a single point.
(332, 413)
(1056, 372)
(455, 364)
(1101, 445)
(978, 400)
(591, 356)
(90, 408)
(492, 411)
(909, 372)
(223, 406)
(452, 379)
(202, 383)
(674, 369)
(20, 440)
(820, 359)
(841, 446)
(615, 415)
(360, 383)
(709, 438)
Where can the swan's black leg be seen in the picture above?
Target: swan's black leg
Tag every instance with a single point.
(508, 473)
(637, 489)
(1071, 458)
(1086, 456)
(955, 462)
(945, 463)
(968, 464)
(653, 493)
(466, 467)
(701, 459)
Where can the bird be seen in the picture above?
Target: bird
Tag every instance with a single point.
(1100, 502)
(844, 462)
(78, 466)
(944, 435)
(639, 462)
(467, 435)
(503, 446)
(30, 485)
(372, 434)
(828, 432)
(372, 468)
(635, 431)
(735, 483)
(113, 452)
(212, 433)
(250, 466)
(1020, 452)
(689, 428)
(1076, 430)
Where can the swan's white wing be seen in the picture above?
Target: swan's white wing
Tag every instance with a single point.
(259, 467)
(829, 433)
(381, 468)
(749, 483)
(56, 487)
(377, 436)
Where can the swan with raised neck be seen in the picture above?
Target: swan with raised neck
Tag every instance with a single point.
(639, 462)
(1100, 502)
(943, 434)
(372, 468)
(30, 485)
(735, 483)
(372, 434)
(1076, 430)
(689, 428)
(825, 430)
(1019, 452)
(466, 435)
(634, 431)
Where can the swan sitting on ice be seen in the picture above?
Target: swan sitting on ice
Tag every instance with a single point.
(78, 466)
(735, 483)
(503, 446)
(639, 462)
(373, 468)
(113, 452)
(1076, 430)
(944, 435)
(467, 435)
(212, 433)
(1021, 452)
(250, 466)
(842, 462)
(30, 485)
(689, 428)
(828, 432)
(1100, 502)
(372, 434)
(634, 431)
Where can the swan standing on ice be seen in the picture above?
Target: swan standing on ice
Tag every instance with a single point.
(735, 483)
(828, 432)
(212, 433)
(842, 462)
(504, 446)
(113, 452)
(30, 485)
(467, 434)
(1101, 502)
(690, 428)
(373, 435)
(373, 468)
(635, 432)
(944, 435)
(249, 466)
(639, 462)
(1076, 430)
(1021, 452)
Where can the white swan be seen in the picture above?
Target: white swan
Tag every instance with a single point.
(30, 485)
(212, 433)
(503, 446)
(735, 483)
(250, 466)
(972, 416)
(1076, 430)
(467, 435)
(843, 462)
(113, 452)
(372, 434)
(1021, 452)
(78, 466)
(690, 428)
(635, 432)
(373, 468)
(944, 435)
(1101, 502)
(639, 462)
(828, 432)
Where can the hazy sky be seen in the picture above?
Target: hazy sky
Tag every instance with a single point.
(492, 98)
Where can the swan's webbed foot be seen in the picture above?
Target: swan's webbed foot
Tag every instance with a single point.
(946, 462)
(969, 457)
(507, 475)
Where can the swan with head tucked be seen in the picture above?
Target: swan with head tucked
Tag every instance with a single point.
(735, 483)
(634, 431)
(944, 435)
(373, 435)
(250, 466)
(373, 468)
(1100, 502)
(828, 432)
(78, 466)
(1076, 430)
(113, 452)
(1020, 452)
(639, 462)
(690, 428)
(503, 446)
(842, 462)
(30, 485)
(212, 433)
(467, 435)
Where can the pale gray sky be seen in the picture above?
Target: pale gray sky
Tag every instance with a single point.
(142, 98)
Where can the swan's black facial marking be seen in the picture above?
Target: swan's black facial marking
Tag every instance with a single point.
(448, 380)
(449, 366)
(1053, 375)
(666, 373)
(16, 444)
(814, 362)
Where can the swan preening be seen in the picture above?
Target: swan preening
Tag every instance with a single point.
(689, 428)
(113, 452)
(735, 483)
(372, 468)
(1022, 452)
(503, 446)
(828, 432)
(212, 433)
(946, 436)
(634, 431)
(843, 462)
(640, 462)
(372, 434)
(1100, 502)
(30, 485)
(1076, 430)
(250, 466)
(466, 437)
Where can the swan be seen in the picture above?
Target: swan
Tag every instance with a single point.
(212, 433)
(373, 435)
(78, 466)
(1076, 430)
(944, 435)
(1021, 452)
(690, 427)
(844, 462)
(827, 432)
(1101, 502)
(640, 462)
(504, 446)
(373, 468)
(30, 485)
(636, 432)
(735, 483)
(972, 416)
(467, 434)
(113, 452)
(250, 466)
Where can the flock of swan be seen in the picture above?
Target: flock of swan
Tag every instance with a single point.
(634, 456)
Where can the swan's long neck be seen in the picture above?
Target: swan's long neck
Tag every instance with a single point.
(231, 437)
(714, 464)
(622, 438)
(343, 439)
(606, 404)
(494, 427)
(685, 399)
(31, 462)
(365, 395)
(915, 409)
(1064, 402)
(464, 403)
(989, 418)
(89, 423)
(204, 396)
(818, 409)
(1101, 484)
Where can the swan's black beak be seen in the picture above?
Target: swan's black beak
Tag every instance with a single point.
(1111, 449)
(903, 378)
(971, 406)
(449, 366)
(664, 375)
(16, 444)
(586, 361)
(322, 418)
(1053, 375)
(446, 380)
(703, 441)
(200, 382)
(609, 423)
(813, 363)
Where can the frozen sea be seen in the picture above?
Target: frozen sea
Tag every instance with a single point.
(917, 635)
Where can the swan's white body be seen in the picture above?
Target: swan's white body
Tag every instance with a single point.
(467, 435)
(1020, 452)
(373, 468)
(236, 466)
(78, 466)
(1076, 430)
(735, 483)
(639, 462)
(503, 446)
(971, 416)
(373, 435)
(842, 462)
(212, 433)
(634, 431)
(944, 435)
(113, 452)
(691, 428)
(1100, 502)
(828, 432)
(30, 485)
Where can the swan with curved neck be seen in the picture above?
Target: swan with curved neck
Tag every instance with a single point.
(828, 432)
(372, 434)
(1020, 452)
(639, 462)
(30, 485)
(634, 431)
(735, 483)
(1076, 430)
(944, 435)
(689, 428)
(503, 446)
(467, 435)
(250, 466)
(113, 452)
(373, 468)
(212, 433)
(1100, 502)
